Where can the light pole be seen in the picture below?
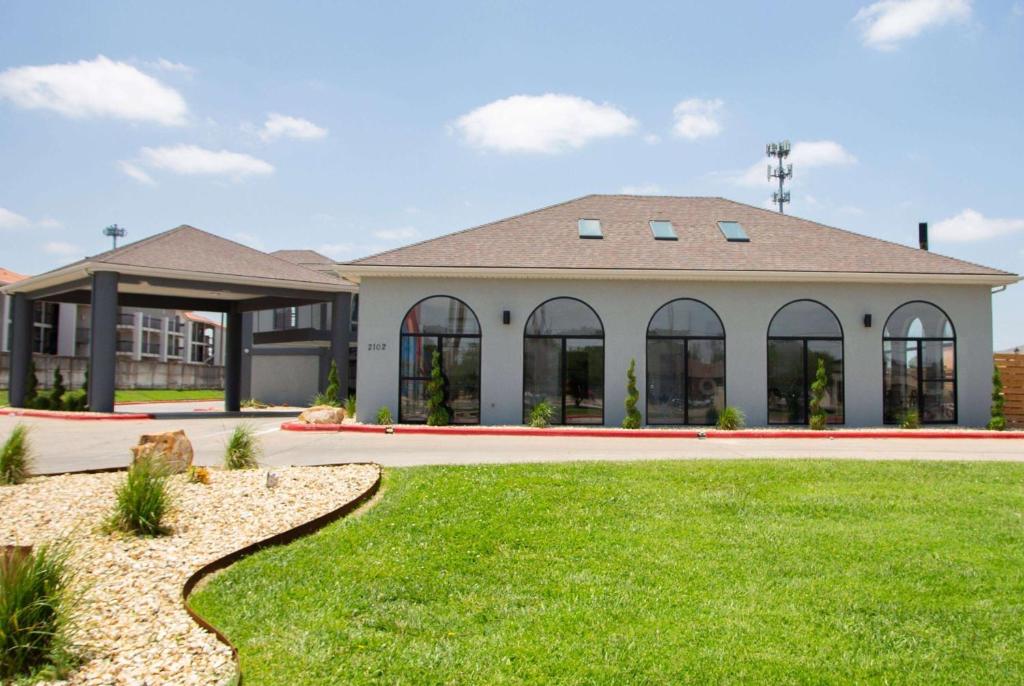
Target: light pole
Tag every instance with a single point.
(779, 151)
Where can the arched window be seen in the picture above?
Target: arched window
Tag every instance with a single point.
(563, 362)
(685, 364)
(448, 326)
(919, 364)
(800, 334)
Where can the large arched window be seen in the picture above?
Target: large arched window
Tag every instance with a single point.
(800, 334)
(685, 364)
(919, 364)
(563, 362)
(448, 326)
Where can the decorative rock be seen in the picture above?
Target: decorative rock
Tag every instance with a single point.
(172, 448)
(272, 479)
(323, 414)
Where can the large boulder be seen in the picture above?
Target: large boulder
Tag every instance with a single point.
(172, 448)
(323, 414)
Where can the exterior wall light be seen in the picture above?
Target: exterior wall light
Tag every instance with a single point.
(506, 317)
(867, 321)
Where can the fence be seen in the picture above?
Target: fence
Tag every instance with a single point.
(130, 373)
(1011, 371)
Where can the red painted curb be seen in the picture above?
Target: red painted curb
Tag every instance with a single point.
(73, 416)
(648, 433)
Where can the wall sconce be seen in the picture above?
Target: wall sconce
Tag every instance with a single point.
(867, 321)
(506, 317)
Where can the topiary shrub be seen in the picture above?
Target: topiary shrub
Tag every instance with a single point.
(384, 416)
(332, 393)
(57, 390)
(633, 418)
(243, 449)
(143, 499)
(998, 420)
(74, 401)
(437, 412)
(542, 414)
(16, 457)
(910, 419)
(31, 385)
(36, 612)
(731, 419)
(819, 417)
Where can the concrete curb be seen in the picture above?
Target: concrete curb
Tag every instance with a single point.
(653, 433)
(73, 416)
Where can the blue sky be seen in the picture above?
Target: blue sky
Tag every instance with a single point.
(350, 128)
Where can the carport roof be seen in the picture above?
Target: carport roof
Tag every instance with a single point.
(187, 254)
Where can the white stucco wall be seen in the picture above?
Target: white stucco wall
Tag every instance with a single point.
(625, 307)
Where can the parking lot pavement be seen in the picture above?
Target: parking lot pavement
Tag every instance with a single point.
(75, 445)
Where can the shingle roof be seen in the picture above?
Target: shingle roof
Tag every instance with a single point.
(307, 258)
(7, 276)
(548, 238)
(187, 248)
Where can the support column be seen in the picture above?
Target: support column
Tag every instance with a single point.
(341, 334)
(233, 363)
(103, 348)
(246, 382)
(21, 347)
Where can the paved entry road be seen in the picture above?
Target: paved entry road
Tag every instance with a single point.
(73, 445)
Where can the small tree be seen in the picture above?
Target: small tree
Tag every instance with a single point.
(998, 421)
(333, 392)
(819, 418)
(437, 413)
(633, 418)
(31, 385)
(57, 390)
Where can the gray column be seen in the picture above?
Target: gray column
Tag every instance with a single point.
(246, 384)
(341, 334)
(233, 363)
(21, 347)
(103, 345)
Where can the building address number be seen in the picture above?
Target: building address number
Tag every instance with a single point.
(376, 346)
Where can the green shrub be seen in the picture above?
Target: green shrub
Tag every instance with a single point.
(74, 401)
(333, 390)
(998, 421)
(731, 419)
(633, 418)
(143, 499)
(819, 417)
(36, 611)
(910, 419)
(350, 406)
(31, 385)
(243, 449)
(437, 412)
(542, 414)
(57, 390)
(15, 457)
(384, 416)
(253, 404)
(322, 399)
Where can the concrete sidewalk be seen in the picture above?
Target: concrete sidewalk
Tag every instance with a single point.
(69, 446)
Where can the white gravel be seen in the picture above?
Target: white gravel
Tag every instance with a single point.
(133, 629)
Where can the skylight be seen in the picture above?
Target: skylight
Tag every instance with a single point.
(663, 230)
(590, 228)
(733, 232)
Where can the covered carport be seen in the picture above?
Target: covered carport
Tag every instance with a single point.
(181, 269)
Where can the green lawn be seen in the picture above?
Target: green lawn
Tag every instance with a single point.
(126, 396)
(647, 573)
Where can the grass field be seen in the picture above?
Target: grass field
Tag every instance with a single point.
(656, 573)
(127, 396)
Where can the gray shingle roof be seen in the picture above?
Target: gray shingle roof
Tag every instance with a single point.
(547, 238)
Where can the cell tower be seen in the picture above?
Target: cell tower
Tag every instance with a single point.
(783, 171)
(114, 231)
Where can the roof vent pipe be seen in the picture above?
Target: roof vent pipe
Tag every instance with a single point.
(922, 235)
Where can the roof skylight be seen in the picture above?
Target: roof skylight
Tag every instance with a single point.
(733, 232)
(663, 230)
(590, 228)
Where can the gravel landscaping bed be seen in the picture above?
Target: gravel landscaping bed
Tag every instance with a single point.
(133, 628)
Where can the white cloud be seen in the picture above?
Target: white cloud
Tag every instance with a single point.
(136, 172)
(404, 233)
(177, 67)
(1018, 9)
(804, 155)
(696, 118)
(971, 225)
(283, 126)
(61, 248)
(12, 220)
(643, 189)
(49, 223)
(652, 139)
(884, 24)
(97, 88)
(549, 123)
(191, 159)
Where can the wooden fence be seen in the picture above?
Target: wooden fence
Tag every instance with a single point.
(1011, 371)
